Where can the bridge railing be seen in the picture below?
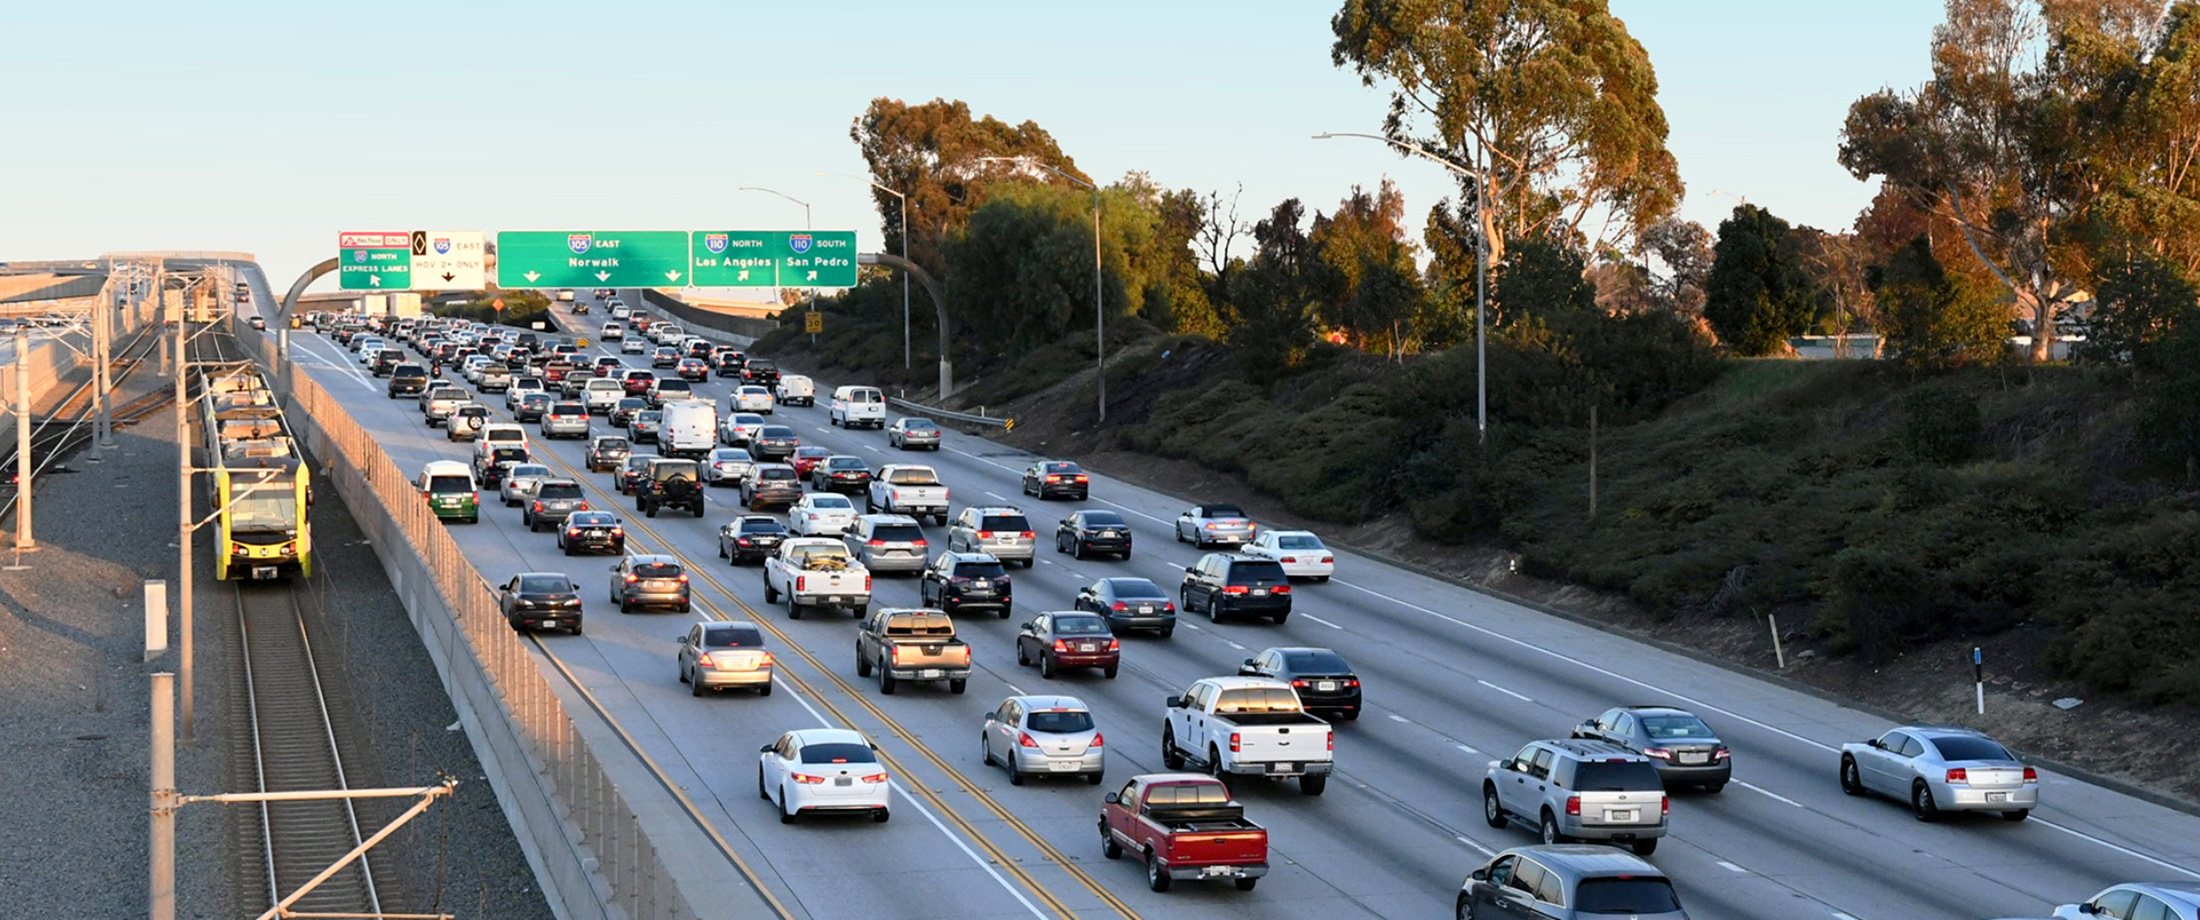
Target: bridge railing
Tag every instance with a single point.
(595, 856)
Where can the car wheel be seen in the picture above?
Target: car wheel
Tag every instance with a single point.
(1246, 884)
(1126, 555)
(1170, 756)
(722, 550)
(1108, 847)
(1714, 788)
(1493, 811)
(1921, 802)
(886, 681)
(785, 816)
(1078, 552)
(695, 687)
(881, 816)
(1313, 785)
(985, 749)
(1110, 672)
(794, 609)
(2017, 815)
(1852, 782)
(766, 691)
(1022, 660)
(1551, 836)
(1168, 632)
(771, 595)
(1646, 847)
(760, 793)
(1157, 872)
(958, 685)
(1015, 772)
(1214, 761)
(863, 665)
(1462, 909)
(1046, 666)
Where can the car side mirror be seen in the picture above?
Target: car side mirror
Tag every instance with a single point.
(1173, 702)
(766, 749)
(682, 639)
(1877, 743)
(1480, 875)
(2088, 908)
(1027, 625)
(1111, 798)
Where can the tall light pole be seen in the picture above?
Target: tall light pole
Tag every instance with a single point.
(1481, 266)
(905, 364)
(1099, 316)
(805, 224)
(1744, 199)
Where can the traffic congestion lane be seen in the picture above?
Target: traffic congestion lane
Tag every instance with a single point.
(958, 480)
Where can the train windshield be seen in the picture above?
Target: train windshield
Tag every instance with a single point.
(268, 508)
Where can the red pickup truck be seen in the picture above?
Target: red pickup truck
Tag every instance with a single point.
(1184, 825)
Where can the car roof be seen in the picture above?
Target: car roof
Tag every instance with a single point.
(645, 558)
(1582, 860)
(716, 625)
(1120, 581)
(887, 518)
(1653, 708)
(830, 736)
(1051, 701)
(969, 556)
(446, 467)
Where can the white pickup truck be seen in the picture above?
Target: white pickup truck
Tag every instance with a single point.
(816, 572)
(904, 488)
(1250, 726)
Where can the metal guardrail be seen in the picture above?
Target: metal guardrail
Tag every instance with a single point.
(1001, 422)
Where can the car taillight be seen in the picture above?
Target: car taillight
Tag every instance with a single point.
(633, 578)
(1659, 753)
(1352, 682)
(1080, 477)
(1234, 589)
(985, 535)
(741, 541)
(1959, 775)
(895, 653)
(1326, 560)
(1330, 739)
(572, 531)
(1061, 646)
(764, 659)
(1721, 754)
(1026, 535)
(705, 661)
(874, 543)
(1280, 589)
(2031, 775)
(1234, 741)
(1097, 740)
(1299, 684)
(618, 531)
(538, 506)
(919, 543)
(1054, 479)
(1168, 606)
(808, 780)
(802, 583)
(1573, 805)
(866, 582)
(1665, 806)
(1119, 605)
(683, 579)
(875, 778)
(1290, 560)
(1024, 739)
(1115, 645)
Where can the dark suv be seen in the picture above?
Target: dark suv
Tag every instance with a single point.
(1568, 881)
(760, 371)
(408, 380)
(670, 483)
(554, 501)
(771, 484)
(1229, 584)
(958, 581)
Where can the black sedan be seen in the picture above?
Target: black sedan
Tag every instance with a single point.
(592, 532)
(1130, 603)
(1326, 684)
(1087, 532)
(546, 600)
(841, 473)
(774, 444)
(750, 538)
(632, 470)
(1056, 479)
(531, 407)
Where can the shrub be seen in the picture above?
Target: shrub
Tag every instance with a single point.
(1939, 424)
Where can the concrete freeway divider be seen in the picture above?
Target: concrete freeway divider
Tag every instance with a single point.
(583, 833)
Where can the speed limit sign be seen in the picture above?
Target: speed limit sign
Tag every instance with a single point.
(813, 322)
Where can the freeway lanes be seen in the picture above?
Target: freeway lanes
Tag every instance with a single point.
(1453, 680)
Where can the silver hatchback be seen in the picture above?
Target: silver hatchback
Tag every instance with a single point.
(1044, 735)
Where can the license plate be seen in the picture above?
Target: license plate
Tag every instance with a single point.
(1620, 815)
(549, 622)
(1325, 686)
(931, 674)
(1063, 766)
(1145, 609)
(1216, 871)
(843, 781)
(835, 599)
(1260, 592)
(659, 584)
(980, 585)
(1997, 797)
(1283, 767)
(1693, 758)
(1085, 646)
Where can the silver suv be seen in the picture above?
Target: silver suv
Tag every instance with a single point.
(1578, 790)
(1001, 531)
(1568, 882)
(888, 543)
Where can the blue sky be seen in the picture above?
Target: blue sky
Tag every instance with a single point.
(269, 127)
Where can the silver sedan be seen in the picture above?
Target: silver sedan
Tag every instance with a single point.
(718, 655)
(1044, 734)
(1939, 769)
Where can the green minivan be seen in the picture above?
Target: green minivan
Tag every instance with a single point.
(449, 488)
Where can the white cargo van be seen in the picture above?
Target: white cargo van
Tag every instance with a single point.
(795, 390)
(858, 407)
(689, 428)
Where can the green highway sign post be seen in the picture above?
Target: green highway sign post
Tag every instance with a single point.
(772, 258)
(579, 259)
(374, 261)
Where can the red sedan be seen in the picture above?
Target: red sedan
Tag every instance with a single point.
(807, 458)
(1068, 639)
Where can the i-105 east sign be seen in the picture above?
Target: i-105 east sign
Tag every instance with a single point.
(772, 258)
(591, 258)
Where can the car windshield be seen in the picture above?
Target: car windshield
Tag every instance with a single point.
(657, 570)
(1625, 896)
(747, 418)
(1248, 572)
(777, 431)
(523, 470)
(1080, 626)
(535, 400)
(898, 533)
(544, 584)
(1298, 541)
(1675, 726)
(648, 416)
(1315, 663)
(1009, 522)
(1059, 721)
(1103, 519)
(611, 444)
(912, 476)
(1224, 511)
(672, 386)
(631, 404)
(920, 424)
(1958, 747)
(559, 490)
(733, 637)
(1061, 467)
(979, 570)
(844, 463)
(838, 753)
(1616, 776)
(593, 519)
(725, 454)
(762, 525)
(829, 503)
(1135, 588)
(450, 484)
(812, 453)
(569, 409)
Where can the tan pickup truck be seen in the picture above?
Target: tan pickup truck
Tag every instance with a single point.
(911, 643)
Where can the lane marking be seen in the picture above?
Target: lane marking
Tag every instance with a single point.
(1760, 790)
(1837, 915)
(1131, 510)
(1317, 619)
(998, 495)
(1486, 851)
(1730, 867)
(1467, 749)
(1233, 645)
(1521, 697)
(1394, 717)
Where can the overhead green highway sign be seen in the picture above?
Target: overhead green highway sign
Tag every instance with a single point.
(374, 261)
(592, 258)
(772, 258)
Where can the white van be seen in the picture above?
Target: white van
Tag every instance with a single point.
(795, 390)
(689, 428)
(858, 407)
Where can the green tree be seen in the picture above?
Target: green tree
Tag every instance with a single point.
(1933, 318)
(931, 152)
(2141, 302)
(1274, 296)
(1757, 294)
(2169, 402)
(1369, 287)
(1541, 278)
(1554, 96)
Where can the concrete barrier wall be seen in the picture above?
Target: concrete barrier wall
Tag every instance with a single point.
(744, 329)
(584, 839)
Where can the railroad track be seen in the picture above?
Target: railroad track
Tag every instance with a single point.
(69, 426)
(288, 743)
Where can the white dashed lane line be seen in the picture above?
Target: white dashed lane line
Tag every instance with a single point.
(1518, 696)
(1320, 620)
(1730, 867)
(1760, 790)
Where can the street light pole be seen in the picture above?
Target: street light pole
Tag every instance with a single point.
(905, 352)
(805, 225)
(1481, 266)
(1099, 315)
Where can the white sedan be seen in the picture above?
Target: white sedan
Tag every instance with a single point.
(824, 770)
(632, 345)
(821, 514)
(1301, 554)
(753, 399)
(740, 428)
(729, 466)
(614, 332)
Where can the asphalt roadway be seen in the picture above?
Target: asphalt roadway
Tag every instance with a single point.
(1453, 679)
